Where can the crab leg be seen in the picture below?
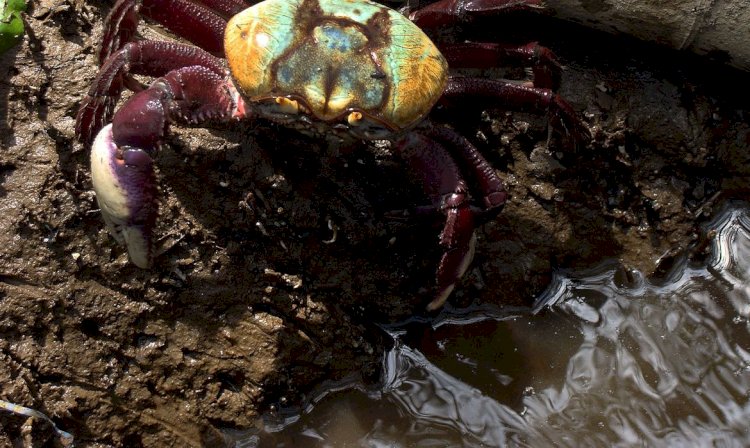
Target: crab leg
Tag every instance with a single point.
(152, 58)
(119, 28)
(484, 55)
(197, 23)
(443, 183)
(451, 12)
(546, 68)
(122, 153)
(493, 190)
(228, 8)
(520, 98)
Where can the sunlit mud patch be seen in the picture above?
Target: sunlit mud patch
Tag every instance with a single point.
(599, 365)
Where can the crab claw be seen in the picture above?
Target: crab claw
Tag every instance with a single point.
(125, 187)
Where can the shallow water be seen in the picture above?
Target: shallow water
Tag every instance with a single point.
(600, 364)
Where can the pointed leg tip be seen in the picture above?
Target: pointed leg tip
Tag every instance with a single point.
(440, 298)
(138, 242)
(136, 238)
(453, 266)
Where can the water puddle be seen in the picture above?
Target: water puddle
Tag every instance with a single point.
(600, 364)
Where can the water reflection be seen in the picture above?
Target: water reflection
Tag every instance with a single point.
(599, 365)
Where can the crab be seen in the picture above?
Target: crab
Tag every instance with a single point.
(340, 70)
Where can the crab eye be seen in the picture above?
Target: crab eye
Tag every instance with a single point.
(286, 106)
(354, 118)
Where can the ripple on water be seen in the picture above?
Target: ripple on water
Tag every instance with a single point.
(600, 364)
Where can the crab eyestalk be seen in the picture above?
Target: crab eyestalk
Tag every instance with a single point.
(125, 187)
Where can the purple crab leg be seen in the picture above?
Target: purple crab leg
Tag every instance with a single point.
(122, 153)
(451, 12)
(443, 183)
(194, 22)
(119, 28)
(227, 8)
(519, 98)
(484, 55)
(151, 58)
(547, 70)
(494, 194)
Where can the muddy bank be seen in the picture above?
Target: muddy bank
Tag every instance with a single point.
(253, 301)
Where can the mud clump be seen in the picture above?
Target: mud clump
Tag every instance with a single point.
(270, 279)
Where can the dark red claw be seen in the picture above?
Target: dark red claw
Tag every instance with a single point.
(122, 154)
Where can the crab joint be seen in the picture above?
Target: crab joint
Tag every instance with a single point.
(354, 118)
(287, 106)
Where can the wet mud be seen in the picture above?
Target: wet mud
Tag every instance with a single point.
(277, 256)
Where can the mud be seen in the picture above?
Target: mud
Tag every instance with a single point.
(255, 299)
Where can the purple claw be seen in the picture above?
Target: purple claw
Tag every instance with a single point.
(125, 188)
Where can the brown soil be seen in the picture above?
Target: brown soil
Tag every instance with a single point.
(250, 305)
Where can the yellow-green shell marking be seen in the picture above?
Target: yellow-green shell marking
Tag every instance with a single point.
(336, 57)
